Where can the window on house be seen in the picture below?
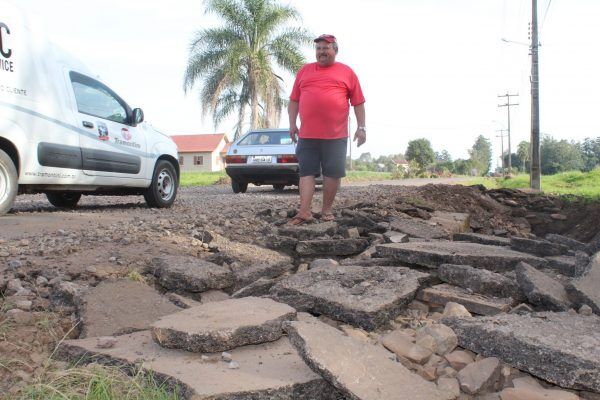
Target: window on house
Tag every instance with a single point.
(198, 160)
(180, 160)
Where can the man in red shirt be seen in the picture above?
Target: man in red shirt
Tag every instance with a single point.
(322, 94)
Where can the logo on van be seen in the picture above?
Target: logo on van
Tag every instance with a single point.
(6, 53)
(5, 64)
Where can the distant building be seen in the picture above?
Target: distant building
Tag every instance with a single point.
(202, 152)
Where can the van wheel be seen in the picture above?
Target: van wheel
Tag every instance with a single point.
(8, 182)
(63, 199)
(163, 189)
(279, 187)
(238, 187)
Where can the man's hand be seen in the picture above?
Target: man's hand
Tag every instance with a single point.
(360, 137)
(294, 133)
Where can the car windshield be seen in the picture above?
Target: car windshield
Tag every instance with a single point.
(266, 138)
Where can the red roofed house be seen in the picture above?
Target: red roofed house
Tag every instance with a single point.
(202, 152)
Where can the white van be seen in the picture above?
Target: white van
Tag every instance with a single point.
(65, 133)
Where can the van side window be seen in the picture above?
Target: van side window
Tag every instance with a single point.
(94, 98)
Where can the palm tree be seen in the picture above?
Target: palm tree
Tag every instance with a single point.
(234, 64)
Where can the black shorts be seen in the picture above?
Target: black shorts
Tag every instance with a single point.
(326, 156)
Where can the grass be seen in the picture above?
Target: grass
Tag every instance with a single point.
(95, 382)
(353, 176)
(202, 178)
(576, 183)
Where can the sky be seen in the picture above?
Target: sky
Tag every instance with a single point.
(428, 68)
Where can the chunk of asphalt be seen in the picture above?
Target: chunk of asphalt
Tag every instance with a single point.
(367, 297)
(223, 325)
(331, 247)
(475, 303)
(561, 348)
(434, 253)
(542, 248)
(190, 274)
(542, 291)
(481, 239)
(480, 281)
(267, 371)
(358, 369)
(586, 290)
(122, 306)
(418, 228)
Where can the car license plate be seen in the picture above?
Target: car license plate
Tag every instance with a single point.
(262, 159)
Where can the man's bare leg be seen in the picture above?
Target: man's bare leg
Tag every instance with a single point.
(330, 188)
(307, 190)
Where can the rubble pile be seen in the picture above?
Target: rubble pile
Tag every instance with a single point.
(398, 298)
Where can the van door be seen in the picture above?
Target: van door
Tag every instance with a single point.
(110, 143)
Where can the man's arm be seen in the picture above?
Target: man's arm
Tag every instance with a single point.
(293, 116)
(360, 137)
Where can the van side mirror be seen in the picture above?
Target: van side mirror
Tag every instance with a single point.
(138, 116)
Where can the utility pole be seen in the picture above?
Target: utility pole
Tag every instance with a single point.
(501, 136)
(534, 176)
(508, 105)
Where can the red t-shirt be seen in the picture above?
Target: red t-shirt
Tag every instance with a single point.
(322, 94)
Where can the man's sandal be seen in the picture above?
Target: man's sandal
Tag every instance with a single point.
(298, 220)
(328, 217)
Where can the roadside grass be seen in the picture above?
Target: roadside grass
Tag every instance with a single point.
(95, 382)
(355, 176)
(202, 178)
(574, 183)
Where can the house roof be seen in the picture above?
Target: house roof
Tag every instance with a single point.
(198, 143)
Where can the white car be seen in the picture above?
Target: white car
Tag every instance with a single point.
(65, 133)
(262, 157)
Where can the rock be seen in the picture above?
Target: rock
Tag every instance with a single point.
(418, 228)
(277, 372)
(24, 305)
(41, 281)
(479, 281)
(459, 359)
(586, 290)
(475, 303)
(542, 248)
(13, 286)
(334, 247)
(213, 295)
(451, 222)
(445, 338)
(351, 233)
(481, 239)
(355, 333)
(309, 231)
(19, 316)
(479, 376)
(359, 370)
(521, 309)
(449, 385)
(191, 274)
(585, 310)
(532, 393)
(323, 262)
(223, 325)
(395, 237)
(528, 342)
(181, 301)
(541, 290)
(572, 244)
(258, 288)
(565, 265)
(106, 342)
(456, 310)
(123, 306)
(432, 254)
(367, 297)
(401, 344)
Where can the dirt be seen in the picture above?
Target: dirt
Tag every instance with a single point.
(54, 253)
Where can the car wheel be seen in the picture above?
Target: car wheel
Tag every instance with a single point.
(163, 189)
(238, 187)
(63, 199)
(279, 187)
(8, 182)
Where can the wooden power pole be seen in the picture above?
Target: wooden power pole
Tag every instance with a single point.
(501, 136)
(535, 173)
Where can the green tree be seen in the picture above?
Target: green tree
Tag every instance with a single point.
(463, 167)
(590, 149)
(524, 153)
(559, 156)
(481, 155)
(234, 63)
(420, 151)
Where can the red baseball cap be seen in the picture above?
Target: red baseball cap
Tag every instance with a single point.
(327, 38)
